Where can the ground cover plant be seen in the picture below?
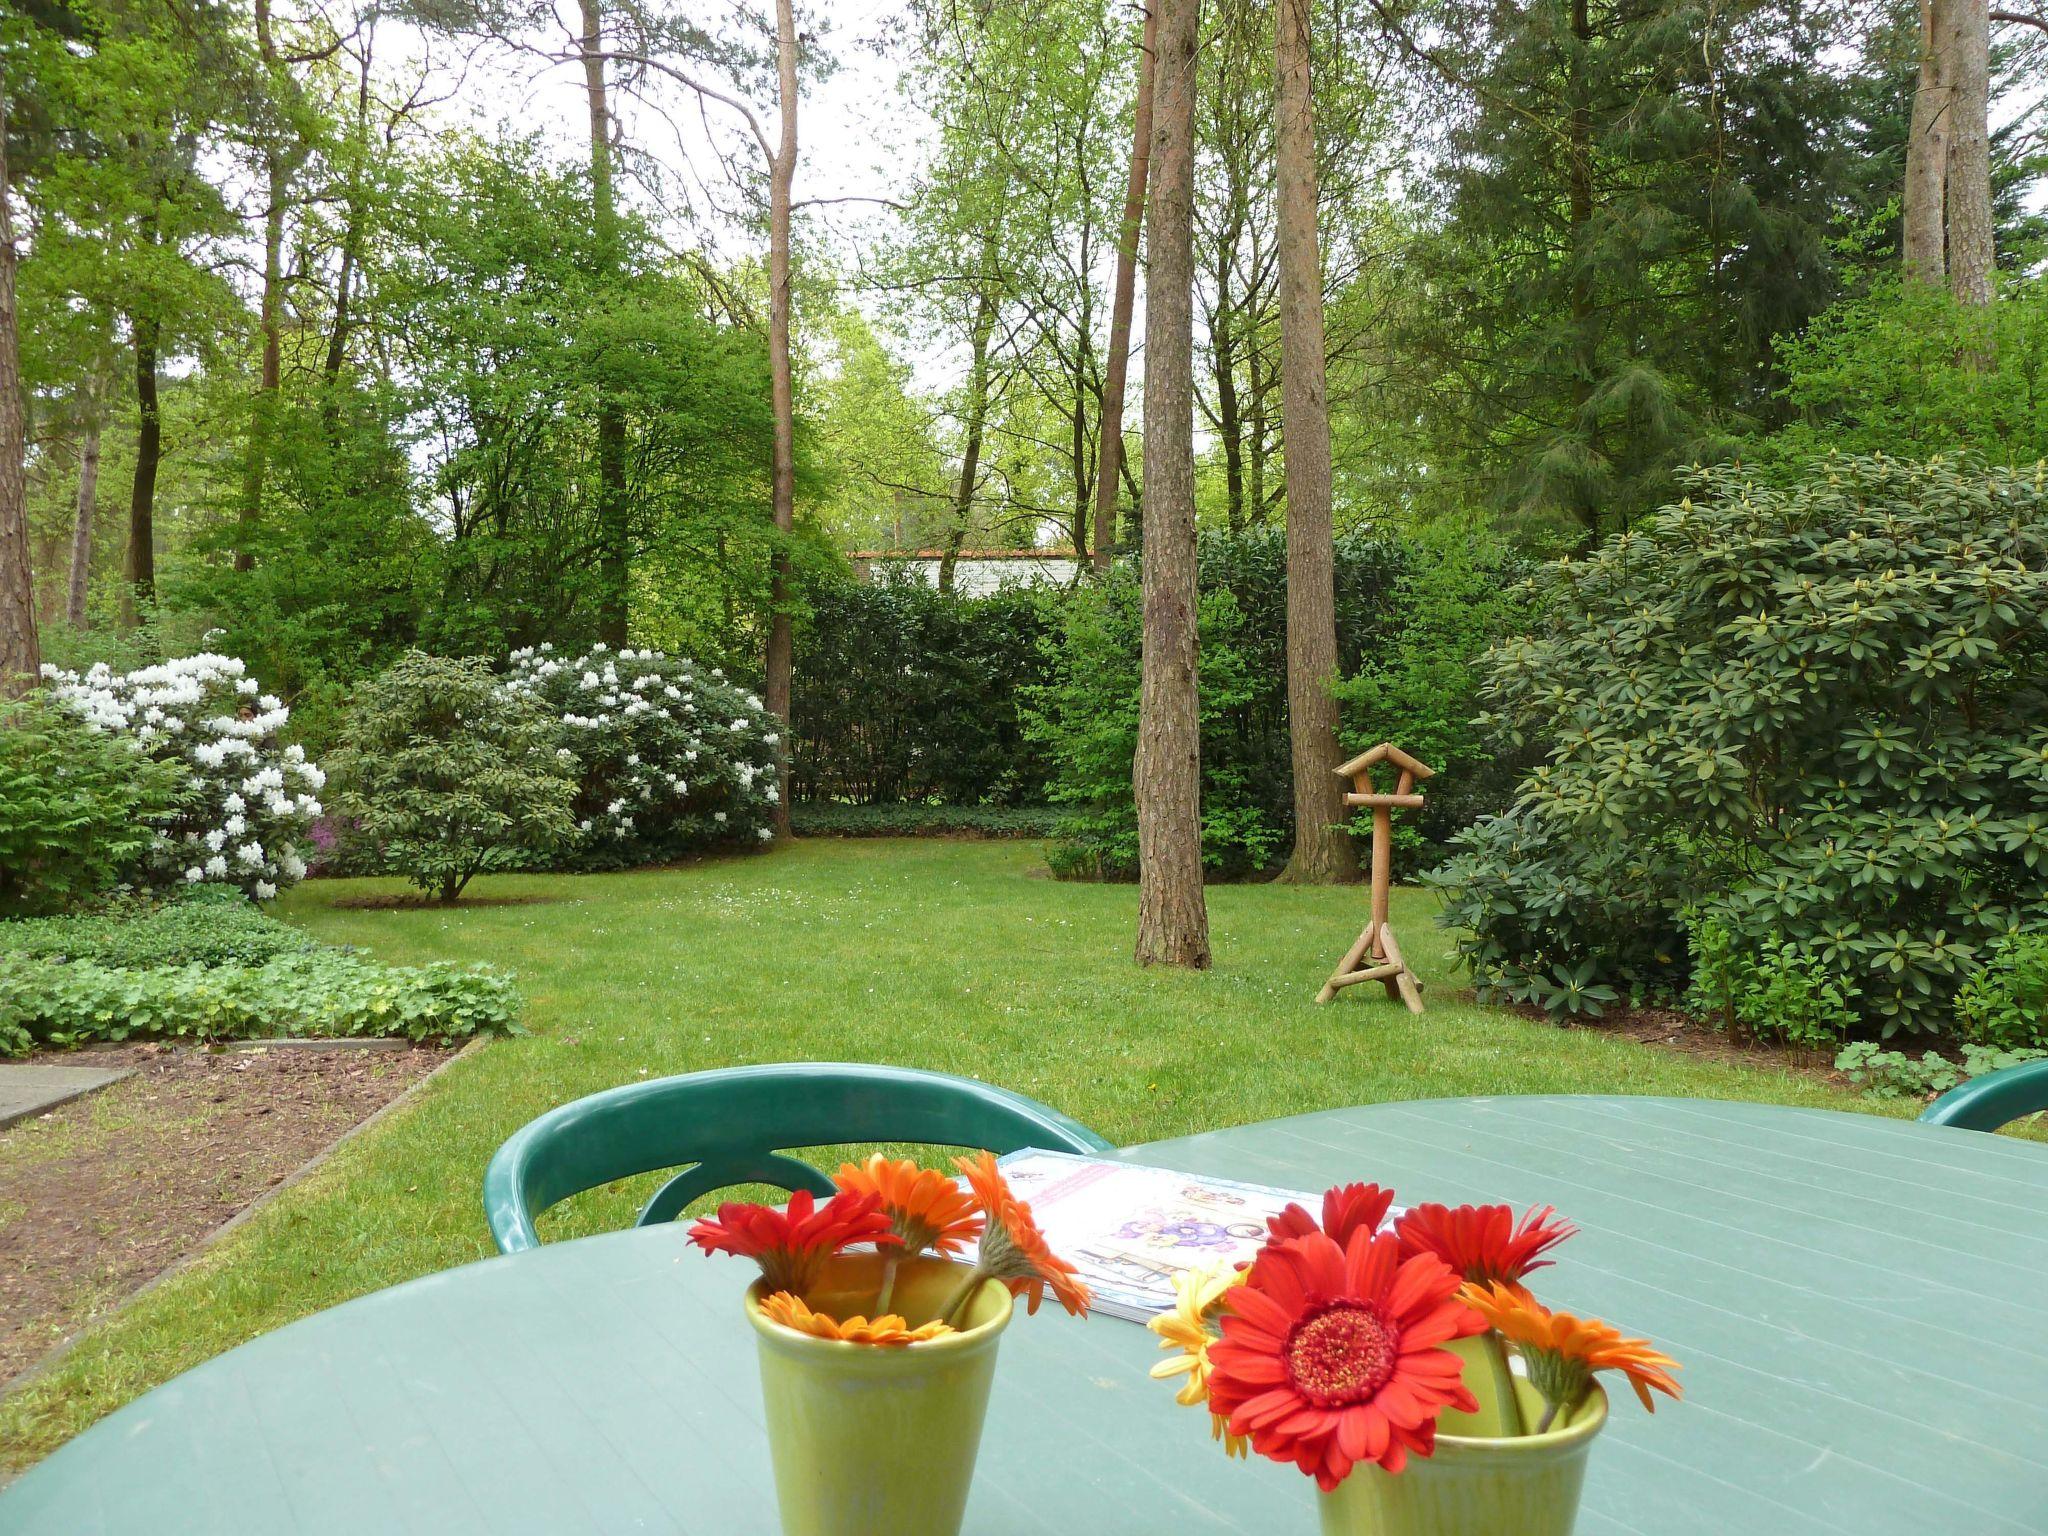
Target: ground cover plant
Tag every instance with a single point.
(945, 955)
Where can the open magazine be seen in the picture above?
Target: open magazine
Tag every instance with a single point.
(1127, 1228)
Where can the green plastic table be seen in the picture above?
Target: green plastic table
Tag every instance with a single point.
(1859, 1305)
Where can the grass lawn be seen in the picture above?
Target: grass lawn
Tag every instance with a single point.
(950, 955)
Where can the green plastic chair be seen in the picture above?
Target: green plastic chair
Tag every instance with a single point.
(729, 1127)
(1997, 1098)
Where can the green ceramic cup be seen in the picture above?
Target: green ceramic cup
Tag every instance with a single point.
(1475, 1485)
(871, 1441)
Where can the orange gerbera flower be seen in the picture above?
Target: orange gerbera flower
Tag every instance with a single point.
(1484, 1243)
(1564, 1351)
(889, 1331)
(1013, 1250)
(1332, 1356)
(927, 1209)
(1346, 1208)
(791, 1245)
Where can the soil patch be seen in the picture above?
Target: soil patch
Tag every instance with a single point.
(1668, 1029)
(100, 1194)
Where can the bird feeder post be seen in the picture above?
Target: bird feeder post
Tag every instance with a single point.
(1376, 954)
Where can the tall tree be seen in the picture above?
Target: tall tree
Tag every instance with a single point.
(20, 655)
(1110, 449)
(1323, 850)
(1971, 257)
(781, 178)
(613, 513)
(1173, 916)
(85, 506)
(1925, 202)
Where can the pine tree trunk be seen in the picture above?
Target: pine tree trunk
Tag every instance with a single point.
(20, 654)
(81, 521)
(1323, 852)
(1925, 199)
(1173, 917)
(1110, 437)
(1971, 259)
(781, 178)
(614, 520)
(149, 447)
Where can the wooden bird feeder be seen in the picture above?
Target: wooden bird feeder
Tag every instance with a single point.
(1377, 954)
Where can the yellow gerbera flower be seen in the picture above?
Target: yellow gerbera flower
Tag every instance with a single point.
(1199, 1296)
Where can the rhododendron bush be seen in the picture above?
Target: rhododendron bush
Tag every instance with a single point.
(252, 799)
(673, 756)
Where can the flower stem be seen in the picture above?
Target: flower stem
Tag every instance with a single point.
(888, 1282)
(960, 1298)
(1549, 1413)
(1511, 1420)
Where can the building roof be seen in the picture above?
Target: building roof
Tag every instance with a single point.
(965, 554)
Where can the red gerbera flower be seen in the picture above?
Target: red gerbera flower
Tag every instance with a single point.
(1483, 1243)
(1346, 1208)
(1332, 1356)
(792, 1245)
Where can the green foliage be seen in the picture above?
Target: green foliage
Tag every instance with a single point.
(1812, 713)
(1773, 991)
(1894, 371)
(907, 694)
(452, 774)
(78, 808)
(1887, 1074)
(1459, 591)
(1087, 721)
(325, 993)
(212, 925)
(669, 756)
(2005, 1002)
(836, 819)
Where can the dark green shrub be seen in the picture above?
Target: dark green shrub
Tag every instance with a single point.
(78, 808)
(325, 993)
(2005, 1002)
(1812, 713)
(834, 820)
(452, 774)
(214, 925)
(1457, 591)
(1087, 720)
(905, 694)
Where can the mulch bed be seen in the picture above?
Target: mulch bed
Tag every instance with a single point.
(99, 1195)
(1668, 1029)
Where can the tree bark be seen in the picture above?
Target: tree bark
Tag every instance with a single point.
(262, 418)
(1971, 258)
(1110, 445)
(1925, 199)
(20, 653)
(1579, 200)
(1323, 852)
(1173, 917)
(781, 177)
(614, 515)
(970, 449)
(81, 522)
(149, 439)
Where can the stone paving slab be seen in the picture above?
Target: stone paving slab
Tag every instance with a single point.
(26, 1091)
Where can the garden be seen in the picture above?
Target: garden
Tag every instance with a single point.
(585, 723)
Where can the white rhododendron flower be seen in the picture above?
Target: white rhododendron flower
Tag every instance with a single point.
(207, 714)
(652, 717)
